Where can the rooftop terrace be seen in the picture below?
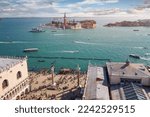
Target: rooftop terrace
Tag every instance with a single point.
(96, 87)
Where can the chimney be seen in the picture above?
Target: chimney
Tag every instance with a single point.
(127, 62)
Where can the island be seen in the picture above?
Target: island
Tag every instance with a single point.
(71, 24)
(138, 23)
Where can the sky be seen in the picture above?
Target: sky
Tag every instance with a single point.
(75, 8)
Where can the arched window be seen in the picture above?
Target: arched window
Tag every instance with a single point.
(5, 84)
(13, 93)
(19, 75)
(26, 91)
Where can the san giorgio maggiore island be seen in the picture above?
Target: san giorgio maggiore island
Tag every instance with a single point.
(85, 24)
(66, 24)
(112, 81)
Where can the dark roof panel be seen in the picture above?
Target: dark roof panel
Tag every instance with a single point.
(133, 92)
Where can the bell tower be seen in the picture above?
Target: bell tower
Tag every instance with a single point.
(65, 21)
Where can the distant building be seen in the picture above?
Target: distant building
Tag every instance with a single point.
(88, 24)
(13, 77)
(75, 26)
(96, 85)
(128, 72)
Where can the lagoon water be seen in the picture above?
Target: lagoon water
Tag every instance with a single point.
(103, 42)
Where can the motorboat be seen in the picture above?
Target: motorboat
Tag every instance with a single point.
(134, 56)
(31, 50)
(135, 30)
(37, 30)
(41, 60)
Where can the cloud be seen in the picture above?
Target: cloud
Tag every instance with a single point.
(146, 4)
(7, 10)
(99, 1)
(91, 2)
(106, 11)
(135, 11)
(146, 1)
(142, 10)
(81, 8)
(19, 8)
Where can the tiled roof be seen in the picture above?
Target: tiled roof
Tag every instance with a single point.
(124, 69)
(133, 92)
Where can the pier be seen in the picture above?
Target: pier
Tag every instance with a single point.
(73, 58)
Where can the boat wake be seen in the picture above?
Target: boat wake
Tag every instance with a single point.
(85, 43)
(147, 54)
(145, 58)
(5, 42)
(21, 42)
(66, 51)
(60, 34)
(76, 51)
(140, 47)
(12, 42)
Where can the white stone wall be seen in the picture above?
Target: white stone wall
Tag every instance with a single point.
(114, 79)
(145, 81)
(11, 76)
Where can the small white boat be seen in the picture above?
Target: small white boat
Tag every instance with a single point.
(37, 30)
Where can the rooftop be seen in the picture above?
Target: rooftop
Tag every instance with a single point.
(127, 69)
(8, 62)
(95, 87)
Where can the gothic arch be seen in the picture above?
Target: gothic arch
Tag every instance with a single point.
(5, 84)
(19, 74)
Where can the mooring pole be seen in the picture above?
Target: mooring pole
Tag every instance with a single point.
(78, 75)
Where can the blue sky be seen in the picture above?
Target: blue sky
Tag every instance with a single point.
(75, 8)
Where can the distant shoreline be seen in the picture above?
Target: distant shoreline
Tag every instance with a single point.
(139, 23)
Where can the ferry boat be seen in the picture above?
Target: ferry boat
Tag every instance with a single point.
(31, 50)
(41, 60)
(134, 56)
(37, 30)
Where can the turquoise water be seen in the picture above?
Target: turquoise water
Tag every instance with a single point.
(103, 42)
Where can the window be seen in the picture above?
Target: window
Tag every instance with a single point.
(136, 74)
(5, 84)
(19, 75)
